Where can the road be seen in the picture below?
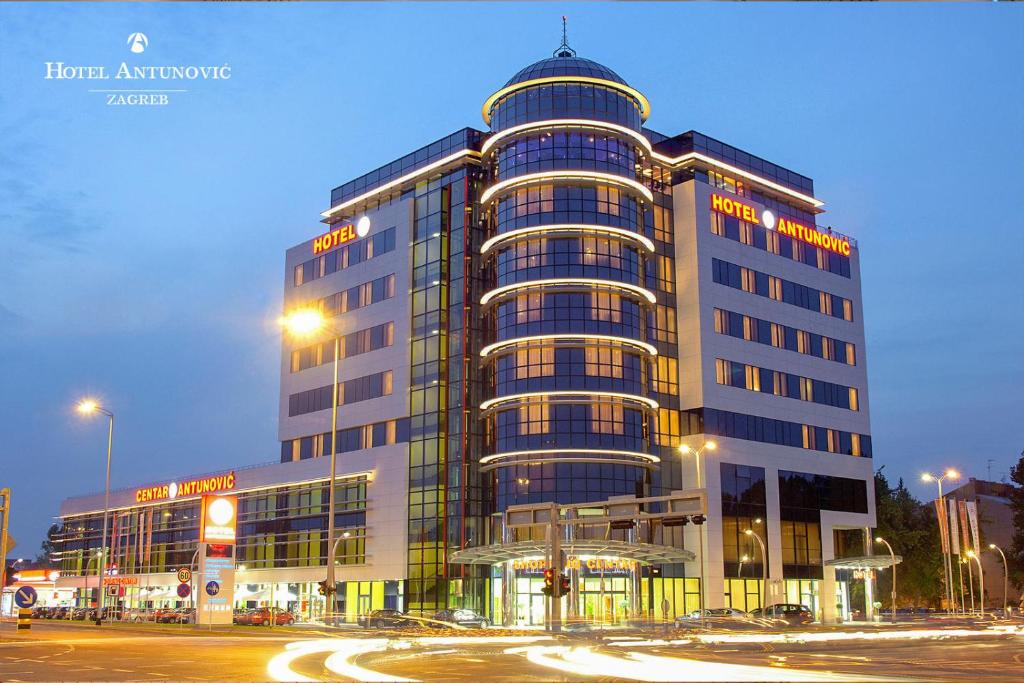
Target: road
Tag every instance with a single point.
(54, 651)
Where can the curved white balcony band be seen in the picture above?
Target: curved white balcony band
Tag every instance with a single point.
(563, 175)
(582, 281)
(564, 123)
(573, 228)
(697, 156)
(566, 456)
(645, 105)
(625, 341)
(511, 398)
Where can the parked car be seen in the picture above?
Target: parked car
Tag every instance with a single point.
(166, 615)
(261, 616)
(82, 613)
(462, 617)
(387, 618)
(788, 612)
(240, 616)
(139, 615)
(719, 612)
(63, 612)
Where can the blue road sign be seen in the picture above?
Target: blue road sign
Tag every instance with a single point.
(25, 596)
(212, 588)
(184, 590)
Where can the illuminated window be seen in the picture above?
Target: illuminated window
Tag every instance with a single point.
(753, 378)
(847, 310)
(772, 241)
(662, 223)
(720, 321)
(606, 418)
(606, 306)
(717, 224)
(851, 356)
(667, 433)
(855, 444)
(529, 307)
(665, 373)
(748, 333)
(854, 403)
(803, 341)
(746, 233)
(825, 303)
(779, 387)
(774, 288)
(806, 389)
(533, 416)
(778, 338)
(535, 363)
(747, 281)
(602, 361)
(721, 371)
(807, 432)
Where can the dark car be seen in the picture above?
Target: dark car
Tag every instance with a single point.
(60, 613)
(788, 612)
(387, 618)
(462, 617)
(82, 613)
(261, 616)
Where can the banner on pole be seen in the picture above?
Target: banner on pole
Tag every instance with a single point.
(962, 509)
(943, 524)
(972, 518)
(954, 529)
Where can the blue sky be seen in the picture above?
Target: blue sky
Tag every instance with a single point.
(142, 249)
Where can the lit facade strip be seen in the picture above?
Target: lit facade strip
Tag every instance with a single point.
(645, 105)
(497, 346)
(556, 123)
(588, 281)
(568, 461)
(565, 174)
(649, 402)
(690, 156)
(400, 180)
(568, 451)
(566, 227)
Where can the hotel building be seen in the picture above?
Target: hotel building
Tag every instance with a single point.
(545, 311)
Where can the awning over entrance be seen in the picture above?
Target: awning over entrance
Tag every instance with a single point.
(864, 562)
(645, 553)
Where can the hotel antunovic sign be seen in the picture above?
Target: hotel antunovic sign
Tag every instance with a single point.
(145, 85)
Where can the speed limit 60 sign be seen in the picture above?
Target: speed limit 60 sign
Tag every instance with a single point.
(184, 575)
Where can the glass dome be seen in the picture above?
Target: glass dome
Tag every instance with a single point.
(565, 66)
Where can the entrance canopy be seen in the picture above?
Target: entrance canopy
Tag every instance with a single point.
(864, 562)
(644, 553)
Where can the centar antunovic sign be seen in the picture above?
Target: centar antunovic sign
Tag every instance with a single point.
(784, 226)
(189, 487)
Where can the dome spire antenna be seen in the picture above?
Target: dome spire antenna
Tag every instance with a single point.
(564, 50)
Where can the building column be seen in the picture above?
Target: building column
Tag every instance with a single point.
(772, 535)
(869, 583)
(829, 613)
(714, 560)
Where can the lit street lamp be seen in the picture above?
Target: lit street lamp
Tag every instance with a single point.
(879, 539)
(686, 450)
(1006, 574)
(304, 323)
(981, 580)
(89, 406)
(764, 567)
(952, 475)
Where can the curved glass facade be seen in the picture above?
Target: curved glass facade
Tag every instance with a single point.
(569, 287)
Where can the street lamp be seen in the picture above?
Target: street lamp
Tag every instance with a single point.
(303, 323)
(686, 450)
(764, 568)
(952, 475)
(744, 558)
(879, 539)
(1006, 573)
(89, 406)
(981, 580)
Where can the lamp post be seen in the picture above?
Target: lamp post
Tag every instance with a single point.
(952, 475)
(981, 580)
(1006, 574)
(300, 324)
(879, 539)
(764, 568)
(685, 450)
(90, 407)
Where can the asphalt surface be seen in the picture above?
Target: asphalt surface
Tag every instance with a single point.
(81, 652)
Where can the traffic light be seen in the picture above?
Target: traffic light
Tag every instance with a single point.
(549, 582)
(563, 585)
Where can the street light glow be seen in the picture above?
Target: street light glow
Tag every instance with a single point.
(926, 477)
(683, 448)
(952, 474)
(711, 445)
(87, 406)
(303, 322)
(878, 539)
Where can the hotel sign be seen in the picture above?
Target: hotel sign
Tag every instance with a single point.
(217, 523)
(191, 487)
(339, 236)
(784, 226)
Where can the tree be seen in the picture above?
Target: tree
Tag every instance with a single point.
(47, 548)
(1016, 555)
(911, 528)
